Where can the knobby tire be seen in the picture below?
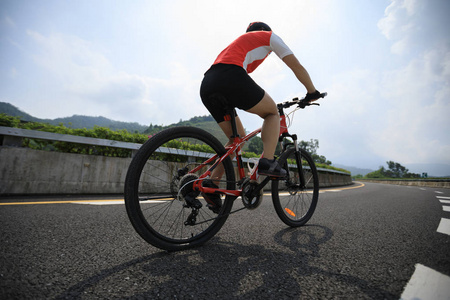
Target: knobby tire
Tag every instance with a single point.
(296, 205)
(153, 182)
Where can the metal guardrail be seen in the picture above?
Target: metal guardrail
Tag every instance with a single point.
(16, 134)
(19, 133)
(13, 137)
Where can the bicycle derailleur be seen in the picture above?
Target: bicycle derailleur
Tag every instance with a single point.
(251, 197)
(187, 193)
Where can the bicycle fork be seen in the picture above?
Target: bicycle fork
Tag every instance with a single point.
(298, 159)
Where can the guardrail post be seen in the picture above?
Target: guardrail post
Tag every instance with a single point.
(12, 141)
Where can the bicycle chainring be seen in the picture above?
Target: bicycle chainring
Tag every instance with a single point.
(249, 201)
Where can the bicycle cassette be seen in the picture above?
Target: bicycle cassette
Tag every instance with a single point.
(186, 185)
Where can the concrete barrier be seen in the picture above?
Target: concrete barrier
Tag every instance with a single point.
(425, 182)
(27, 171)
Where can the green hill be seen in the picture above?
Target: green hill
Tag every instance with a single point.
(11, 110)
(206, 123)
(77, 121)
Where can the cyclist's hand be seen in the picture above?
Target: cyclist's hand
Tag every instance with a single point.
(313, 96)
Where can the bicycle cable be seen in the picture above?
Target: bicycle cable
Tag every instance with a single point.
(290, 119)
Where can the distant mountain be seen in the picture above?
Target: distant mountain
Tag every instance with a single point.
(11, 110)
(75, 121)
(433, 170)
(354, 170)
(206, 123)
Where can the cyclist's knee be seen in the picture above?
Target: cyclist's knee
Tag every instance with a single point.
(265, 108)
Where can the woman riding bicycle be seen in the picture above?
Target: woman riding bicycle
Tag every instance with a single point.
(227, 85)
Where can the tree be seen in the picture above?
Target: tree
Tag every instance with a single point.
(310, 147)
(321, 159)
(256, 145)
(395, 170)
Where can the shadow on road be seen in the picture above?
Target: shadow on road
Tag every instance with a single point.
(225, 270)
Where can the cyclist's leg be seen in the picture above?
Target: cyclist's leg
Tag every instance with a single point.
(267, 109)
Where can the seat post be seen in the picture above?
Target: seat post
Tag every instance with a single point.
(233, 123)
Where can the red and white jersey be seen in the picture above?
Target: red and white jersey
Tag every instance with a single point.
(250, 49)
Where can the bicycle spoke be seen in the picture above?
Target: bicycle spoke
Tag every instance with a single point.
(297, 206)
(161, 201)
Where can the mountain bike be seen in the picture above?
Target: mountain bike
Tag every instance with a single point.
(165, 183)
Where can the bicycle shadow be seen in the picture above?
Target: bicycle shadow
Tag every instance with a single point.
(227, 270)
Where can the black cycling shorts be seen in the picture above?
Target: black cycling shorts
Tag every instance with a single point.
(228, 86)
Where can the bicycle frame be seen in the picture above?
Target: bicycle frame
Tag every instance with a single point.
(235, 148)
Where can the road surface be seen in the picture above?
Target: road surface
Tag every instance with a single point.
(366, 241)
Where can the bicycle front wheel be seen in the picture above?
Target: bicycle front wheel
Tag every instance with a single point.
(159, 196)
(295, 203)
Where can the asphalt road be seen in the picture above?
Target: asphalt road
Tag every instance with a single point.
(364, 242)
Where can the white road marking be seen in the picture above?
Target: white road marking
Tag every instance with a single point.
(427, 283)
(442, 197)
(444, 226)
(437, 192)
(446, 208)
(115, 202)
(445, 201)
(112, 202)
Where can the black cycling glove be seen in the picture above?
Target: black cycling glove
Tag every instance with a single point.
(313, 96)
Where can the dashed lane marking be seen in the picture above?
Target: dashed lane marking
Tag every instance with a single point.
(427, 283)
(444, 226)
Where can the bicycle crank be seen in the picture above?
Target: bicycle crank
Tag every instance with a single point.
(250, 199)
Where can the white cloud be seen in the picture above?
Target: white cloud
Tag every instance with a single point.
(91, 84)
(345, 118)
(148, 69)
(398, 19)
(9, 22)
(416, 122)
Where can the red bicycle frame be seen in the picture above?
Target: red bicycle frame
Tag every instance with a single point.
(235, 147)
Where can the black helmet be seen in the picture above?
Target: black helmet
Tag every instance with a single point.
(258, 26)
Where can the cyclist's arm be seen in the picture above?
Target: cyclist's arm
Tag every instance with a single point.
(300, 72)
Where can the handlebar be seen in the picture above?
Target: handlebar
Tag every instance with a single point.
(302, 103)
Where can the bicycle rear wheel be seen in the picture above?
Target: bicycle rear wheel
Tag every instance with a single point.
(159, 180)
(293, 203)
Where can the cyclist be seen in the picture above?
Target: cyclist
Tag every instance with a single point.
(227, 84)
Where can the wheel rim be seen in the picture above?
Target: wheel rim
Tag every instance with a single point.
(162, 209)
(297, 203)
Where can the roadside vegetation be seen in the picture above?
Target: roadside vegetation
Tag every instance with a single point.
(253, 148)
(394, 171)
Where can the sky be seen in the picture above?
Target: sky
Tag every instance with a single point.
(384, 63)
